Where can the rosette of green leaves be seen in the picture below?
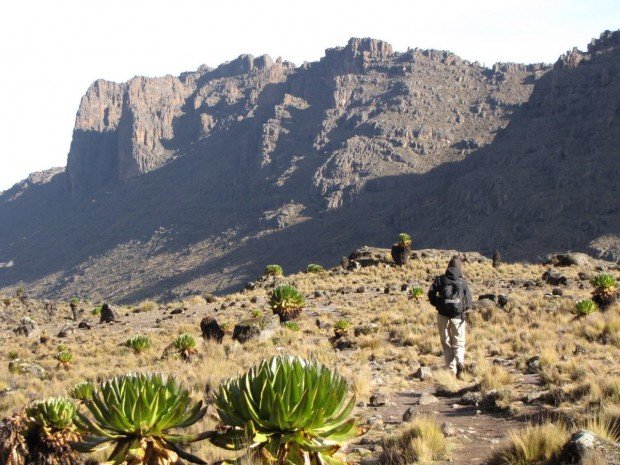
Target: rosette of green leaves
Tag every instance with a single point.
(82, 391)
(274, 270)
(404, 239)
(584, 307)
(287, 410)
(55, 412)
(135, 413)
(416, 292)
(286, 302)
(139, 343)
(314, 268)
(604, 281)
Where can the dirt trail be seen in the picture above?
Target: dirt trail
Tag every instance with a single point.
(475, 432)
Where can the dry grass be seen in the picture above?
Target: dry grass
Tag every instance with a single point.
(534, 444)
(421, 441)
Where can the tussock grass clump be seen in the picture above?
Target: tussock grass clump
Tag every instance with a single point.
(422, 441)
(146, 306)
(494, 377)
(534, 444)
(447, 383)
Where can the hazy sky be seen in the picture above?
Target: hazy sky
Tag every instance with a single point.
(51, 51)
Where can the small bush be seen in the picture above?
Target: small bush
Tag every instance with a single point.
(421, 442)
(64, 358)
(139, 343)
(314, 268)
(186, 344)
(97, 310)
(273, 270)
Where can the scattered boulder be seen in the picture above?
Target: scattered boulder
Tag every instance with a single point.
(211, 330)
(408, 415)
(66, 330)
(554, 278)
(28, 327)
(366, 330)
(423, 373)
(533, 364)
(368, 256)
(109, 314)
(256, 328)
(568, 259)
(360, 289)
(448, 429)
(427, 399)
(585, 447)
(177, 311)
(491, 297)
(502, 300)
(471, 398)
(343, 343)
(557, 292)
(23, 367)
(377, 399)
(84, 325)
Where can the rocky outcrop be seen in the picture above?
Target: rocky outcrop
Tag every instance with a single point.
(586, 447)
(195, 182)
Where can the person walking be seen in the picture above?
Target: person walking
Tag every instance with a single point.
(451, 296)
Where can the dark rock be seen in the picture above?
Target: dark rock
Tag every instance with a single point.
(569, 259)
(400, 254)
(585, 447)
(377, 399)
(497, 259)
(109, 314)
(177, 311)
(404, 287)
(557, 291)
(390, 289)
(533, 364)
(368, 256)
(257, 328)
(554, 279)
(84, 325)
(492, 297)
(318, 294)
(502, 300)
(408, 415)
(360, 289)
(211, 330)
(343, 343)
(254, 299)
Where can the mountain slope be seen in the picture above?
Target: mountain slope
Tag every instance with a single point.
(195, 182)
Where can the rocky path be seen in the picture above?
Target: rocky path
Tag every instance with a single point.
(473, 433)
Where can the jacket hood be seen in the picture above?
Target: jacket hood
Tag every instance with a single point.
(455, 269)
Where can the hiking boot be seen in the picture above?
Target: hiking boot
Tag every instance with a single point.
(459, 371)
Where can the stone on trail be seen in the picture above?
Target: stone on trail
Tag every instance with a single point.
(427, 399)
(585, 447)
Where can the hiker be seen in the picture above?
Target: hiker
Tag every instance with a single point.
(451, 296)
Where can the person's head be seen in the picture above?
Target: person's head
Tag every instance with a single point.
(455, 267)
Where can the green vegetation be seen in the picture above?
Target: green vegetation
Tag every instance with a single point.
(273, 270)
(416, 292)
(56, 412)
(288, 410)
(64, 358)
(342, 327)
(97, 310)
(584, 307)
(604, 281)
(139, 343)
(404, 239)
(186, 344)
(532, 445)
(82, 391)
(314, 268)
(286, 302)
(291, 325)
(135, 414)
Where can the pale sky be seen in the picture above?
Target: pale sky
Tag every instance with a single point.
(51, 51)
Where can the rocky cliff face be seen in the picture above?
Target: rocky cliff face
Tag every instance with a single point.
(196, 181)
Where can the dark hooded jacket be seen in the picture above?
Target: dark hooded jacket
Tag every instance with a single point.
(453, 275)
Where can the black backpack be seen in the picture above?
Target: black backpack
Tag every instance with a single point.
(451, 299)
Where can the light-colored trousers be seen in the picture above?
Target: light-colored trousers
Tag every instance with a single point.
(452, 336)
